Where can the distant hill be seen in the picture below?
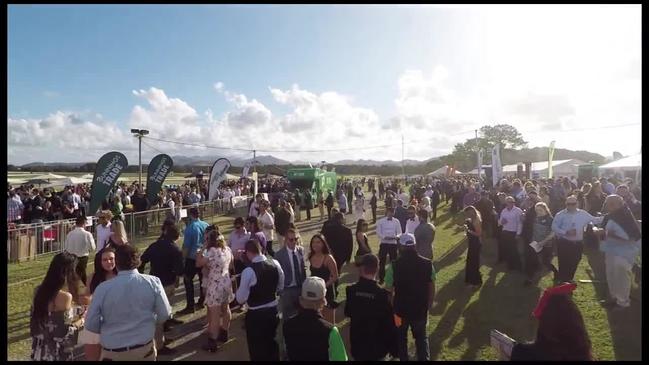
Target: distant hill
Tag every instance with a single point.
(379, 163)
(541, 154)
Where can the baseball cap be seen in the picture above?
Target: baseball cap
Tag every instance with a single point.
(368, 260)
(313, 288)
(407, 239)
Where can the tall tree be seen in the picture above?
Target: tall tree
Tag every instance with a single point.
(508, 136)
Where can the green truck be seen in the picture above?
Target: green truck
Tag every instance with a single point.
(314, 179)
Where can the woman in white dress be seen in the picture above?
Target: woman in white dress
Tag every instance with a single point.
(359, 207)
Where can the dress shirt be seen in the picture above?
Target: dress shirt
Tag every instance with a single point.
(79, 242)
(267, 219)
(412, 224)
(237, 241)
(342, 202)
(514, 218)
(166, 261)
(249, 279)
(76, 200)
(388, 230)
(578, 220)
(14, 209)
(253, 212)
(103, 234)
(193, 239)
(622, 246)
(125, 309)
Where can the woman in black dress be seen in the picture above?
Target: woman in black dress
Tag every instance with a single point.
(361, 238)
(473, 226)
(323, 265)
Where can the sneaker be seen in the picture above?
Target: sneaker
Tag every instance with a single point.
(187, 310)
(167, 351)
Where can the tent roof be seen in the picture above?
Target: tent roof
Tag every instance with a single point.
(49, 176)
(630, 161)
(442, 171)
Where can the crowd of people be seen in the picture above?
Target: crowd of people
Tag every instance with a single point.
(289, 292)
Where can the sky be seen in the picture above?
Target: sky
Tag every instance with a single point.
(311, 78)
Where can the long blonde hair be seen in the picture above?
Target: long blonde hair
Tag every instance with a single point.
(118, 230)
(476, 214)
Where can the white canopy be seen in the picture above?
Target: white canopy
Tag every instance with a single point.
(87, 176)
(442, 171)
(48, 176)
(630, 163)
(70, 181)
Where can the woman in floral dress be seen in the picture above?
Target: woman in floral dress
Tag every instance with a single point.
(218, 257)
(54, 321)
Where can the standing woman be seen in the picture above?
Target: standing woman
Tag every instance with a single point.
(219, 289)
(53, 323)
(542, 233)
(323, 265)
(361, 238)
(118, 235)
(473, 226)
(359, 206)
(117, 208)
(105, 269)
(252, 225)
(321, 205)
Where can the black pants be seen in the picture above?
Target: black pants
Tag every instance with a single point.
(269, 248)
(328, 212)
(532, 264)
(308, 214)
(510, 251)
(546, 256)
(472, 274)
(261, 327)
(190, 271)
(434, 206)
(373, 214)
(569, 254)
(384, 250)
(82, 263)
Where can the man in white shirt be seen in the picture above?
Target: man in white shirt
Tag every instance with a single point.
(79, 242)
(103, 228)
(568, 225)
(388, 229)
(254, 206)
(512, 225)
(267, 223)
(413, 220)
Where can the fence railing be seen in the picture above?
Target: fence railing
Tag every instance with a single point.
(29, 241)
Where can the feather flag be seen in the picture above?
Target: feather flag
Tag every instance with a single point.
(496, 165)
(550, 156)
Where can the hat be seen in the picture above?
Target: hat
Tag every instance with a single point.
(532, 192)
(407, 239)
(313, 288)
(368, 260)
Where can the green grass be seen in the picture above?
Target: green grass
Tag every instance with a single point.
(461, 319)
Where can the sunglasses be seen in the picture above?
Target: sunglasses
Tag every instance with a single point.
(571, 203)
(292, 239)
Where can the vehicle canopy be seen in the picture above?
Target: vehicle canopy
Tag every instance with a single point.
(316, 180)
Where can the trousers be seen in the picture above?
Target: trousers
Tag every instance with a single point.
(384, 250)
(190, 271)
(618, 278)
(569, 254)
(261, 328)
(418, 328)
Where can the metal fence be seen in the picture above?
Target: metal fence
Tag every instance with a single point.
(29, 241)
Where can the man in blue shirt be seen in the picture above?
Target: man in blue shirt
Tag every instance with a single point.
(192, 242)
(125, 310)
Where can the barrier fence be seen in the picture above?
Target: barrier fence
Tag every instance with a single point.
(29, 241)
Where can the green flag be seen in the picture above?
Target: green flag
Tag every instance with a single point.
(550, 155)
(108, 169)
(156, 174)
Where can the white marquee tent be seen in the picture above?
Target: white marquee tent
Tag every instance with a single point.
(442, 171)
(559, 168)
(626, 166)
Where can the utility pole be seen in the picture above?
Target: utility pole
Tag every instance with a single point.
(477, 151)
(139, 133)
(403, 171)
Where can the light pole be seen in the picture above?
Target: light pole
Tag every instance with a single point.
(139, 133)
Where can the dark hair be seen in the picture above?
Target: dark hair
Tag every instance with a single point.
(562, 333)
(339, 217)
(193, 212)
(253, 246)
(171, 233)
(360, 223)
(166, 224)
(423, 214)
(80, 220)
(126, 258)
(238, 220)
(325, 246)
(255, 224)
(100, 274)
(60, 272)
(389, 209)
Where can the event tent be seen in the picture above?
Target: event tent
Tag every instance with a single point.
(625, 167)
(70, 181)
(442, 171)
(559, 168)
(49, 176)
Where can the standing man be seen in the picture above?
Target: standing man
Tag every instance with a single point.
(140, 204)
(413, 220)
(126, 309)
(291, 260)
(434, 201)
(341, 243)
(298, 205)
(309, 337)
(412, 281)
(350, 197)
(192, 242)
(167, 265)
(329, 203)
(282, 220)
(103, 228)
(569, 226)
(387, 229)
(14, 208)
(373, 205)
(260, 283)
(79, 242)
(372, 331)
(237, 242)
(401, 214)
(621, 246)
(308, 203)
(424, 235)
(512, 226)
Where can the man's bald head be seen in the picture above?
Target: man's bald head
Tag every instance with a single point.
(613, 202)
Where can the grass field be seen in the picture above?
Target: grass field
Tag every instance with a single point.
(461, 319)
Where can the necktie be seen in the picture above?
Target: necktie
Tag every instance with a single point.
(296, 269)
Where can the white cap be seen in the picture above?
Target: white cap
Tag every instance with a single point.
(407, 239)
(313, 288)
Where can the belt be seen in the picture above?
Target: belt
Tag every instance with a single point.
(127, 348)
(571, 241)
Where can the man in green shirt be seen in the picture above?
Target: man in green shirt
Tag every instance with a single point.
(307, 335)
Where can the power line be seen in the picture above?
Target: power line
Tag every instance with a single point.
(155, 149)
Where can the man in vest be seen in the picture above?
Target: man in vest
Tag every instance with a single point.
(260, 282)
(412, 281)
(372, 331)
(308, 336)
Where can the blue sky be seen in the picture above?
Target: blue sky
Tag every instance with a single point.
(431, 68)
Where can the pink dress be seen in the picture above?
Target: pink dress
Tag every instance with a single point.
(219, 284)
